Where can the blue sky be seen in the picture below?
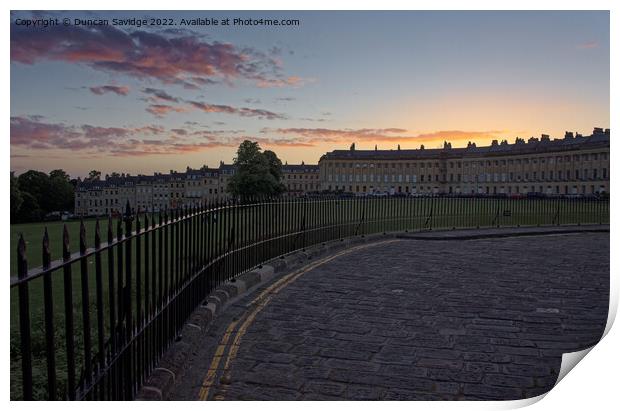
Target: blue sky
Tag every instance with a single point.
(150, 99)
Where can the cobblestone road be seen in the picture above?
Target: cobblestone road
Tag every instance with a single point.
(413, 320)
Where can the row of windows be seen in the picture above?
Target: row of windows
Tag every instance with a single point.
(473, 163)
(295, 186)
(302, 176)
(583, 189)
(584, 174)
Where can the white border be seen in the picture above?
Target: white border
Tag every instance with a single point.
(590, 386)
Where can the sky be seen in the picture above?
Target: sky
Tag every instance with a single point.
(158, 98)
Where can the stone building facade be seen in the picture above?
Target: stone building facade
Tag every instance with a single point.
(151, 193)
(176, 189)
(573, 165)
(300, 178)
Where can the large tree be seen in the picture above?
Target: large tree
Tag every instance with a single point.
(34, 194)
(256, 174)
(61, 191)
(30, 210)
(37, 184)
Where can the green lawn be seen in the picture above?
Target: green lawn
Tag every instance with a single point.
(320, 220)
(33, 235)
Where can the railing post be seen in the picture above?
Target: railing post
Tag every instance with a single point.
(88, 368)
(99, 299)
(68, 291)
(129, 385)
(112, 313)
(48, 301)
(24, 319)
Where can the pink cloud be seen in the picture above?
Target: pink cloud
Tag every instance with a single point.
(185, 59)
(242, 111)
(89, 140)
(588, 45)
(292, 81)
(119, 90)
(160, 110)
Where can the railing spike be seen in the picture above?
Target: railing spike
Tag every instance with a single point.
(119, 228)
(110, 234)
(97, 234)
(82, 237)
(21, 256)
(66, 254)
(46, 247)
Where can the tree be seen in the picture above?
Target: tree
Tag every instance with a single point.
(94, 175)
(61, 191)
(17, 198)
(257, 173)
(275, 168)
(30, 210)
(34, 194)
(60, 174)
(36, 184)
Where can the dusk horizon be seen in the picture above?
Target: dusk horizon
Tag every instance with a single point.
(150, 99)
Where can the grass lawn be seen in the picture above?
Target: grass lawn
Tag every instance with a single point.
(321, 220)
(33, 235)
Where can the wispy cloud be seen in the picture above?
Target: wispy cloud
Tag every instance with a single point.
(292, 81)
(181, 58)
(161, 110)
(241, 111)
(159, 95)
(100, 90)
(588, 45)
(96, 141)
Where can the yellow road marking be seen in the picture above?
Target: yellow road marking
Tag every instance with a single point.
(248, 317)
(211, 373)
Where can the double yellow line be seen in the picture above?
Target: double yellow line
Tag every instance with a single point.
(226, 351)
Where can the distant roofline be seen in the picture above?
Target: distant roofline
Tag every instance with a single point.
(133, 180)
(571, 141)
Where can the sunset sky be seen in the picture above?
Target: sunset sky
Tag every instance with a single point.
(148, 99)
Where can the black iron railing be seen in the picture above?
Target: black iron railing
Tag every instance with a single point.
(98, 335)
